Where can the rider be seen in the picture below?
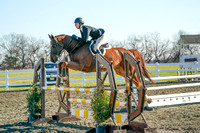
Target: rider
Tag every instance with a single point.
(97, 35)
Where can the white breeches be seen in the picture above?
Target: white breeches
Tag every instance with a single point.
(99, 42)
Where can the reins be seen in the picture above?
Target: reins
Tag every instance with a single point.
(66, 47)
(70, 42)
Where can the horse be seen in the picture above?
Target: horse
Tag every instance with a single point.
(81, 58)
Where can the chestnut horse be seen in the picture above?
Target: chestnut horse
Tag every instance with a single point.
(81, 57)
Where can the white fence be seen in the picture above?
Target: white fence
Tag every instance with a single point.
(4, 75)
(5, 81)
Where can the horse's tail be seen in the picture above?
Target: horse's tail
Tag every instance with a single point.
(140, 57)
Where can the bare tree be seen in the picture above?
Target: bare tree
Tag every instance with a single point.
(8, 49)
(134, 42)
(26, 50)
(8, 45)
(152, 47)
(46, 51)
(146, 48)
(9, 63)
(33, 51)
(22, 49)
(117, 43)
(160, 47)
(37, 49)
(174, 53)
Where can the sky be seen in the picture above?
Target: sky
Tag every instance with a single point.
(119, 18)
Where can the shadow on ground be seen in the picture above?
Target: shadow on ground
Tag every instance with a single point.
(50, 127)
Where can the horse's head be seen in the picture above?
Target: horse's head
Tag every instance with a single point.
(56, 48)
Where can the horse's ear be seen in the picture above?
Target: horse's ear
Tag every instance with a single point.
(52, 37)
(49, 36)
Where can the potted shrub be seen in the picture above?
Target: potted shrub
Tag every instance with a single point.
(101, 109)
(34, 103)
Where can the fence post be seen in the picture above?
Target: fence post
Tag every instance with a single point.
(45, 77)
(7, 84)
(157, 71)
(121, 80)
(42, 84)
(196, 70)
(83, 77)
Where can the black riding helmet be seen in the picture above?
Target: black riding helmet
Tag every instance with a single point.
(79, 20)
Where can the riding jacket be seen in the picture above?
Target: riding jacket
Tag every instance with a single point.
(87, 31)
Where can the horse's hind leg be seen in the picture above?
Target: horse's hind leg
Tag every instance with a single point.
(138, 85)
(148, 100)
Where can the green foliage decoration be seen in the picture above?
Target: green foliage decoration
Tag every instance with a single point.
(100, 106)
(34, 102)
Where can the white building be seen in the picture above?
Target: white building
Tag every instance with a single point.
(185, 56)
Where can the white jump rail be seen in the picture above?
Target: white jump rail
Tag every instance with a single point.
(173, 86)
(174, 77)
(175, 99)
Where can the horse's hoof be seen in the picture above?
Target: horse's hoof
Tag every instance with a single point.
(149, 100)
(148, 108)
(60, 76)
(64, 78)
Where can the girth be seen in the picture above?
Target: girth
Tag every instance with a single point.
(93, 63)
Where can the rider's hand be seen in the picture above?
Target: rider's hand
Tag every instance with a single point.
(74, 36)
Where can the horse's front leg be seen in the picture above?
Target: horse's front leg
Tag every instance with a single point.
(71, 65)
(59, 72)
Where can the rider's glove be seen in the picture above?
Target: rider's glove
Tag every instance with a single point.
(75, 37)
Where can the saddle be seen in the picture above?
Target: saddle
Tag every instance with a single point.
(102, 48)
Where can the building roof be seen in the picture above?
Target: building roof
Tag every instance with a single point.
(189, 39)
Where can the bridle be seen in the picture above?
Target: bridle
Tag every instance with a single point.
(57, 45)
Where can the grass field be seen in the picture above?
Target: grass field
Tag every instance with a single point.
(76, 84)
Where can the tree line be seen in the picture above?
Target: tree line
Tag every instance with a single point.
(18, 51)
(155, 49)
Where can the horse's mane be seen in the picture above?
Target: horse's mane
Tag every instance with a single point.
(61, 35)
(72, 46)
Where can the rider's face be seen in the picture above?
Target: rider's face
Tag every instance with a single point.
(77, 25)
